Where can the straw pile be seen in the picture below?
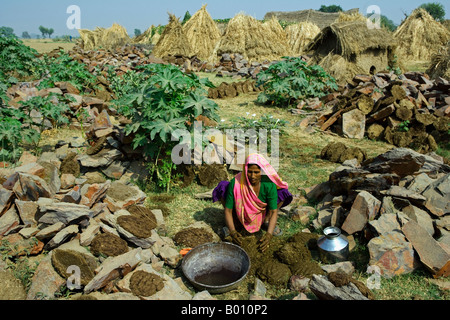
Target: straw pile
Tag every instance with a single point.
(202, 33)
(440, 64)
(173, 40)
(353, 16)
(255, 42)
(300, 35)
(145, 37)
(111, 38)
(87, 39)
(420, 36)
(114, 37)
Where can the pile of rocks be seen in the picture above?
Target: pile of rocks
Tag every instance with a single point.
(408, 110)
(231, 90)
(398, 202)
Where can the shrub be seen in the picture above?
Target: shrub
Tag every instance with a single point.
(291, 80)
(163, 100)
(65, 69)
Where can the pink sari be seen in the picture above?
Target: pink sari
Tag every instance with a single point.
(251, 211)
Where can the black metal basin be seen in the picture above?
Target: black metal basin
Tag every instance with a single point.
(216, 267)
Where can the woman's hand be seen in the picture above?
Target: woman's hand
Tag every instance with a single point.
(265, 242)
(237, 237)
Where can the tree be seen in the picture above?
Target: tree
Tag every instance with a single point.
(332, 8)
(436, 10)
(186, 18)
(137, 32)
(46, 31)
(7, 31)
(26, 35)
(43, 30)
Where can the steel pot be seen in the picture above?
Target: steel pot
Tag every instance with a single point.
(333, 246)
(216, 267)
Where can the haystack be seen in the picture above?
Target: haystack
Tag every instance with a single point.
(358, 49)
(352, 16)
(111, 38)
(145, 37)
(114, 37)
(173, 40)
(202, 33)
(300, 35)
(420, 36)
(440, 64)
(87, 39)
(247, 36)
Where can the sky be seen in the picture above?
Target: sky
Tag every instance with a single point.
(28, 15)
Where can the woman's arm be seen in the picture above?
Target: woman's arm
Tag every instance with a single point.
(229, 219)
(273, 214)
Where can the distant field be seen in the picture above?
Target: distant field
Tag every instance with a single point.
(47, 45)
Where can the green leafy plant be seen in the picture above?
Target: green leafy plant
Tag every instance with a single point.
(19, 127)
(404, 126)
(16, 59)
(162, 100)
(65, 69)
(14, 131)
(291, 80)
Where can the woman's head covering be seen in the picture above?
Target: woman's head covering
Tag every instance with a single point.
(250, 210)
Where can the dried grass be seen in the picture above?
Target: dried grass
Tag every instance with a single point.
(348, 48)
(440, 64)
(202, 33)
(300, 35)
(145, 37)
(420, 36)
(173, 40)
(354, 16)
(247, 36)
(110, 38)
(114, 37)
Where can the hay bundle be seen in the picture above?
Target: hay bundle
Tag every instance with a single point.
(353, 16)
(173, 40)
(300, 35)
(440, 64)
(87, 39)
(202, 33)
(247, 36)
(114, 37)
(446, 24)
(420, 36)
(145, 37)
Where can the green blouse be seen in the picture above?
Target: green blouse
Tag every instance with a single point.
(267, 193)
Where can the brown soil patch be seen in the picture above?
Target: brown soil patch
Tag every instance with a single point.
(62, 259)
(97, 147)
(141, 227)
(283, 258)
(145, 284)
(211, 175)
(193, 237)
(339, 279)
(70, 165)
(120, 191)
(142, 213)
(339, 152)
(108, 244)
